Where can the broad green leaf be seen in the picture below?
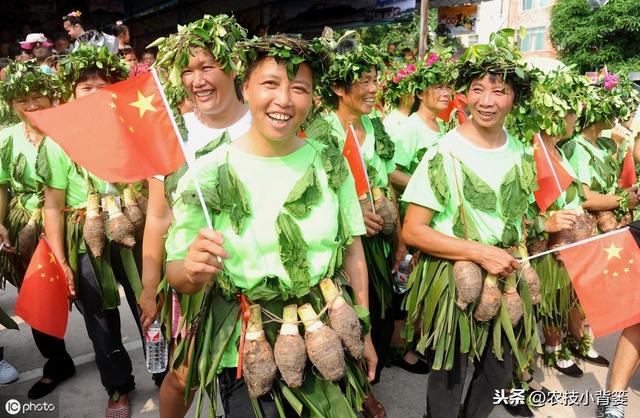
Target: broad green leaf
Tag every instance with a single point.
(459, 226)
(438, 179)
(293, 253)
(305, 194)
(478, 193)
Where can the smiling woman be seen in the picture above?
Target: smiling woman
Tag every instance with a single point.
(285, 216)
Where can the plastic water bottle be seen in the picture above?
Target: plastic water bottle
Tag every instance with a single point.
(157, 350)
(404, 269)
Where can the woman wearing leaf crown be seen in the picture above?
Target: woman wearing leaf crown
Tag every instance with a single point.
(284, 216)
(26, 89)
(94, 265)
(204, 72)
(467, 200)
(397, 95)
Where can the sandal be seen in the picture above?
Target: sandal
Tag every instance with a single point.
(123, 411)
(372, 408)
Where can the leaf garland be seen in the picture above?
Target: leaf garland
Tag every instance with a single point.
(235, 202)
(476, 191)
(335, 166)
(512, 200)
(22, 78)
(6, 152)
(293, 253)
(305, 194)
(385, 147)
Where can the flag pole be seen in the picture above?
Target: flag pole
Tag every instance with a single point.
(553, 171)
(189, 161)
(353, 131)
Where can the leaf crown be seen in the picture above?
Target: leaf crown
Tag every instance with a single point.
(89, 57)
(25, 78)
(500, 57)
(608, 102)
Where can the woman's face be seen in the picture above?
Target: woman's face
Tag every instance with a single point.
(490, 101)
(361, 96)
(436, 98)
(208, 86)
(278, 105)
(125, 37)
(89, 86)
(570, 123)
(73, 30)
(30, 103)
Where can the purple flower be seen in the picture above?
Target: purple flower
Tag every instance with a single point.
(433, 58)
(611, 81)
(411, 68)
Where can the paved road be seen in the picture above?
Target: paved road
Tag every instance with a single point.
(402, 393)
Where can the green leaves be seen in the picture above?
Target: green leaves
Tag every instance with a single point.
(213, 144)
(304, 194)
(24, 78)
(512, 199)
(438, 179)
(476, 191)
(335, 166)
(235, 202)
(293, 253)
(385, 148)
(464, 226)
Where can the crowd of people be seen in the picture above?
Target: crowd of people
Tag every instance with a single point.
(266, 231)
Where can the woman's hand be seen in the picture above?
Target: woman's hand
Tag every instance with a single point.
(4, 240)
(370, 357)
(149, 308)
(495, 260)
(201, 263)
(373, 222)
(633, 196)
(71, 284)
(562, 219)
(401, 253)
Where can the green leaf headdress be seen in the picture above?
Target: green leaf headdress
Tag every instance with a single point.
(21, 80)
(500, 57)
(89, 57)
(553, 96)
(217, 34)
(614, 98)
(292, 51)
(349, 59)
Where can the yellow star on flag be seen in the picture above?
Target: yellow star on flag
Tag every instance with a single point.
(631, 260)
(615, 274)
(606, 272)
(613, 251)
(52, 258)
(143, 103)
(626, 270)
(115, 96)
(42, 275)
(39, 266)
(112, 105)
(131, 129)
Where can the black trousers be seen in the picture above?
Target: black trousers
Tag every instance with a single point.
(236, 402)
(53, 349)
(381, 330)
(103, 325)
(444, 390)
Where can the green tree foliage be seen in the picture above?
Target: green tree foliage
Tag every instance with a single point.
(591, 38)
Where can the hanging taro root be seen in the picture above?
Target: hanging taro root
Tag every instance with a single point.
(489, 302)
(93, 229)
(133, 212)
(626, 220)
(533, 282)
(323, 345)
(258, 366)
(584, 227)
(606, 220)
(141, 200)
(121, 230)
(387, 210)
(468, 279)
(28, 235)
(512, 300)
(289, 351)
(344, 320)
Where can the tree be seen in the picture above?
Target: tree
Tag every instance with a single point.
(591, 38)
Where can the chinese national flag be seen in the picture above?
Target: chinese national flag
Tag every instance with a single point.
(628, 176)
(551, 177)
(42, 301)
(352, 153)
(458, 104)
(605, 273)
(120, 133)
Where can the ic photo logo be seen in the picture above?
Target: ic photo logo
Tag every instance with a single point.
(12, 407)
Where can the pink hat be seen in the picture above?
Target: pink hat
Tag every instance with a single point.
(33, 39)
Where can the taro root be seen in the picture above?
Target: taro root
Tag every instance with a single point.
(289, 351)
(142, 201)
(93, 229)
(626, 220)
(323, 345)
(584, 227)
(533, 282)
(468, 279)
(606, 220)
(387, 210)
(132, 211)
(121, 230)
(489, 302)
(538, 246)
(28, 235)
(258, 365)
(344, 320)
(512, 300)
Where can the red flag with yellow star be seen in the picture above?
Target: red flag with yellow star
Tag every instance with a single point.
(42, 301)
(352, 153)
(120, 133)
(552, 179)
(605, 273)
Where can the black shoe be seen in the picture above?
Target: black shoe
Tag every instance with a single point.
(419, 367)
(598, 361)
(521, 410)
(41, 389)
(573, 370)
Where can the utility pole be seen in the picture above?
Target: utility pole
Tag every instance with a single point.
(424, 28)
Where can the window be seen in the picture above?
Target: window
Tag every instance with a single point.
(534, 4)
(534, 39)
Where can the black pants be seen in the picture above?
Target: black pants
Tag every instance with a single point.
(236, 402)
(444, 390)
(381, 331)
(53, 349)
(103, 326)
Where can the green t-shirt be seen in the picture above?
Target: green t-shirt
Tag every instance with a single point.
(254, 253)
(413, 137)
(17, 165)
(56, 170)
(593, 166)
(381, 168)
(487, 220)
(394, 121)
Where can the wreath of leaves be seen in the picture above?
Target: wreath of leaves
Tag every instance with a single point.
(292, 51)
(606, 104)
(397, 83)
(25, 78)
(553, 96)
(87, 57)
(217, 34)
(349, 59)
(500, 57)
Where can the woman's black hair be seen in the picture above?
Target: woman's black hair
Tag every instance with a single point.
(73, 20)
(118, 29)
(90, 74)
